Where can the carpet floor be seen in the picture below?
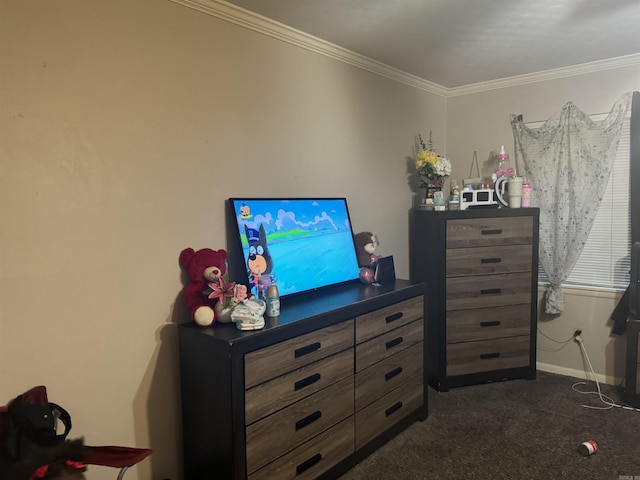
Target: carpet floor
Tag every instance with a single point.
(516, 429)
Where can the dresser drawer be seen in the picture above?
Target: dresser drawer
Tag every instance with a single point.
(486, 355)
(388, 410)
(379, 379)
(484, 232)
(276, 434)
(385, 319)
(269, 362)
(392, 342)
(488, 290)
(488, 323)
(313, 457)
(488, 260)
(275, 394)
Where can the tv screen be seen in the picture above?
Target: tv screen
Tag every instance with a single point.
(300, 244)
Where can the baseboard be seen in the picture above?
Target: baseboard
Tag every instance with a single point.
(572, 372)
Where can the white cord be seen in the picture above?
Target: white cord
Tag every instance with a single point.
(603, 398)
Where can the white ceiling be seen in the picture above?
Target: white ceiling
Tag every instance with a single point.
(454, 43)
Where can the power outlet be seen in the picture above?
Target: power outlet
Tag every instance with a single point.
(577, 331)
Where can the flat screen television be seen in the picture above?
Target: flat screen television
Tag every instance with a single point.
(301, 244)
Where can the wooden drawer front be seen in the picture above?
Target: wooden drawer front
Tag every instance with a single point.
(488, 260)
(278, 433)
(483, 232)
(270, 362)
(383, 320)
(379, 379)
(488, 323)
(486, 355)
(384, 346)
(280, 392)
(313, 457)
(488, 290)
(388, 410)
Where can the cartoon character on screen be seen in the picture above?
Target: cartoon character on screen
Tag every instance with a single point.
(245, 212)
(259, 263)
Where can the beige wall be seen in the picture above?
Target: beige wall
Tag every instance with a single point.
(124, 126)
(480, 121)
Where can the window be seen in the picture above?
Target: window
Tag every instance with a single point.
(605, 260)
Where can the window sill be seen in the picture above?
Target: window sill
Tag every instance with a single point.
(586, 291)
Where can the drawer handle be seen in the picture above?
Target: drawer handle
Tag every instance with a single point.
(307, 464)
(393, 373)
(308, 419)
(393, 409)
(493, 323)
(491, 291)
(301, 352)
(394, 342)
(305, 382)
(394, 317)
(491, 260)
(486, 356)
(497, 231)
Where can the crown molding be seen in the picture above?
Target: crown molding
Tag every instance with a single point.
(545, 75)
(263, 25)
(271, 28)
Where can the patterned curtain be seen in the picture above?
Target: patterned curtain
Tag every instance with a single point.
(568, 160)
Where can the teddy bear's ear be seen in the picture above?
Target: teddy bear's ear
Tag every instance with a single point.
(223, 254)
(185, 256)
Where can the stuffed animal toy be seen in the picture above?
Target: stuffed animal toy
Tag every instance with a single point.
(366, 244)
(202, 267)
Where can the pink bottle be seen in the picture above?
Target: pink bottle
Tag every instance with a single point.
(526, 194)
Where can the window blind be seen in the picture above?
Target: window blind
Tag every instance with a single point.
(605, 260)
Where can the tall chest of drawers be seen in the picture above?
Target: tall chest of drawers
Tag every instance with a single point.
(480, 267)
(319, 388)
(632, 376)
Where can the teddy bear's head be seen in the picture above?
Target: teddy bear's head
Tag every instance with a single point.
(204, 265)
(366, 243)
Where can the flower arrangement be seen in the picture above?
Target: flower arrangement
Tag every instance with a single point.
(432, 169)
(229, 293)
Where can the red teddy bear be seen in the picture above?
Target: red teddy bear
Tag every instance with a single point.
(202, 267)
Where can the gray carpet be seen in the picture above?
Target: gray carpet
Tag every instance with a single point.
(516, 429)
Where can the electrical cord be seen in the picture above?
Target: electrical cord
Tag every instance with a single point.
(608, 401)
(563, 343)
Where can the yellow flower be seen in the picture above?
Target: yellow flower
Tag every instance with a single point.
(425, 158)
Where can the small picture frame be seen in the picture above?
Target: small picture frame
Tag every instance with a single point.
(385, 270)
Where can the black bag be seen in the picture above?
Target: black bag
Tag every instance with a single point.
(30, 426)
(629, 305)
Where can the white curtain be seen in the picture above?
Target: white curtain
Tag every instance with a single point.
(568, 160)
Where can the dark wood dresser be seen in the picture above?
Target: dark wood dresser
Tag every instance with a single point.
(337, 375)
(632, 376)
(480, 267)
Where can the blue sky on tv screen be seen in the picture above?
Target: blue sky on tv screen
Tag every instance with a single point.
(309, 240)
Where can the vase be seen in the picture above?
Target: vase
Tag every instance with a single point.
(223, 315)
(428, 200)
(431, 190)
